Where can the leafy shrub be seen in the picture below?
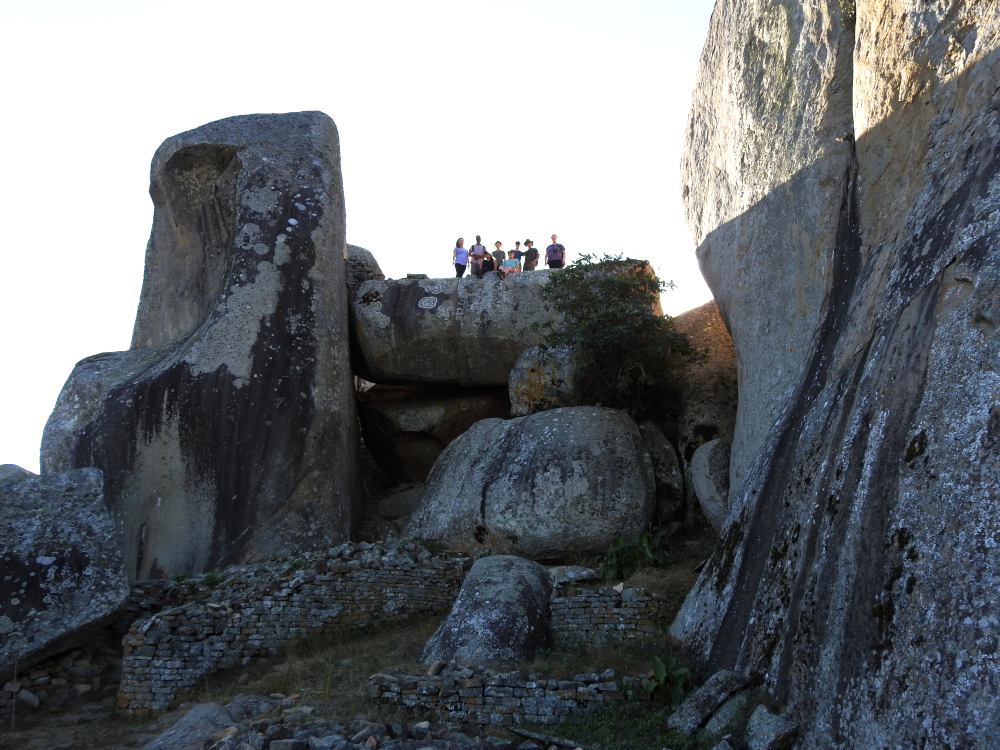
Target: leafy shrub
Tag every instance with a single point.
(624, 558)
(624, 354)
(213, 579)
(667, 677)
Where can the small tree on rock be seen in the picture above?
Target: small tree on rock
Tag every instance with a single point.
(624, 353)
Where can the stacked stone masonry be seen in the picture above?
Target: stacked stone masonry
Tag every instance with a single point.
(355, 587)
(595, 617)
(184, 630)
(503, 699)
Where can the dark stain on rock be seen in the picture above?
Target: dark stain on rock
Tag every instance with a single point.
(247, 442)
(916, 447)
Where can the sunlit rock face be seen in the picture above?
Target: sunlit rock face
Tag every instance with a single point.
(465, 331)
(229, 431)
(842, 179)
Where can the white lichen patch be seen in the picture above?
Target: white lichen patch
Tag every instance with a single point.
(229, 338)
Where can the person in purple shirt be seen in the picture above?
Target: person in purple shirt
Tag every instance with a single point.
(555, 254)
(460, 257)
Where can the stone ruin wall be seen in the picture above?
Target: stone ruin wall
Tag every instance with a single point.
(260, 608)
(502, 699)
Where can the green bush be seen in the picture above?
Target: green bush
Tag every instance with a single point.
(624, 558)
(624, 354)
(667, 677)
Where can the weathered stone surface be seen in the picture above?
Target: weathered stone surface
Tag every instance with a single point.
(767, 731)
(229, 431)
(859, 280)
(501, 614)
(401, 504)
(542, 378)
(13, 473)
(698, 706)
(63, 575)
(406, 428)
(667, 472)
(360, 265)
(193, 728)
(708, 387)
(732, 716)
(560, 482)
(710, 477)
(464, 331)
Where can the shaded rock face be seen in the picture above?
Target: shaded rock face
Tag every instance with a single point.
(710, 478)
(542, 378)
(561, 482)
(360, 265)
(406, 428)
(859, 280)
(465, 331)
(63, 576)
(670, 505)
(501, 614)
(229, 431)
(707, 387)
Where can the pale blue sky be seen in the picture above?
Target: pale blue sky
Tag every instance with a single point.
(505, 118)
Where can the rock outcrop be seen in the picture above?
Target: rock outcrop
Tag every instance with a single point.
(360, 265)
(229, 431)
(63, 576)
(842, 180)
(464, 331)
(501, 614)
(406, 427)
(561, 482)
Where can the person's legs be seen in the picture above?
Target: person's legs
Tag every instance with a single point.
(459, 270)
(477, 270)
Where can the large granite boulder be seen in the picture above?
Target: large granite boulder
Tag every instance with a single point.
(464, 331)
(501, 614)
(63, 577)
(229, 431)
(557, 483)
(407, 427)
(842, 180)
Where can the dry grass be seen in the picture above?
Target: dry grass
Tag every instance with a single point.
(329, 673)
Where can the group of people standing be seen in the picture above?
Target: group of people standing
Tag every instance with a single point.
(515, 260)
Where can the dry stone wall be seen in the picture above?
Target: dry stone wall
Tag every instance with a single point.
(500, 699)
(595, 617)
(354, 587)
(190, 628)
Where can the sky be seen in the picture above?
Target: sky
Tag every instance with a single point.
(511, 119)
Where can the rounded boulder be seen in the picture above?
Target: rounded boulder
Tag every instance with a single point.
(501, 614)
(560, 482)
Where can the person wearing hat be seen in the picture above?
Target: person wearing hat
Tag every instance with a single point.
(530, 258)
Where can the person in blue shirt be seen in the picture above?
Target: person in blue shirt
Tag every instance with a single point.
(555, 254)
(460, 257)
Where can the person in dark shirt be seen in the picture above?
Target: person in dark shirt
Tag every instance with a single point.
(530, 258)
(555, 254)
(517, 250)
